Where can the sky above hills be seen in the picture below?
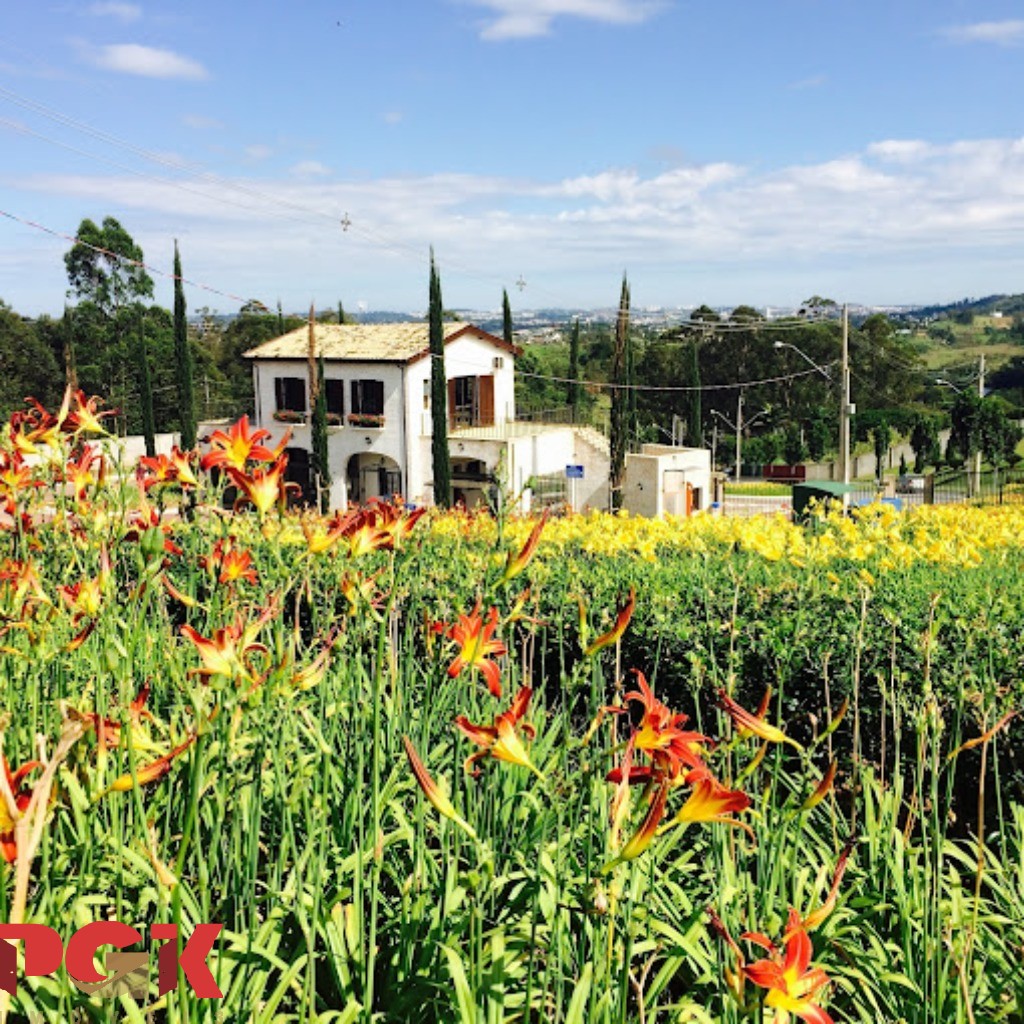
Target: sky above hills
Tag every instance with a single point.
(719, 151)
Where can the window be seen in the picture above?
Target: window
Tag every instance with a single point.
(368, 397)
(334, 391)
(463, 398)
(290, 394)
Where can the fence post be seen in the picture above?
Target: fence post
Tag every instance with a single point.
(929, 489)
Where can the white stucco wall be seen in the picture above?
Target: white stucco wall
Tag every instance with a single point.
(656, 479)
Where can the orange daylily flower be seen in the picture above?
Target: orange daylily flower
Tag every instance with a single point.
(78, 472)
(183, 463)
(815, 917)
(432, 791)
(321, 536)
(710, 801)
(15, 478)
(822, 789)
(615, 633)
(229, 563)
(394, 521)
(108, 730)
(155, 470)
(85, 598)
(154, 770)
(263, 487)
(22, 798)
(517, 563)
(501, 740)
(792, 983)
(754, 725)
(227, 652)
(232, 450)
(644, 835)
(85, 417)
(475, 638)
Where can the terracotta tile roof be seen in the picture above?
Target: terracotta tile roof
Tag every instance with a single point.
(367, 343)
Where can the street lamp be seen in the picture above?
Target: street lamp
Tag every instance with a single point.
(846, 408)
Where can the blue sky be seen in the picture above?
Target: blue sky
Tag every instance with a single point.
(719, 151)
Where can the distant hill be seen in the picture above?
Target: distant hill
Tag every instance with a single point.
(1008, 305)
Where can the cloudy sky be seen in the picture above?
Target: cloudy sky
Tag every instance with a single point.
(719, 151)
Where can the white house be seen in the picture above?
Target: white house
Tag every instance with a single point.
(377, 386)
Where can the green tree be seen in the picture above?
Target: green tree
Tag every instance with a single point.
(881, 435)
(104, 267)
(619, 424)
(794, 449)
(183, 361)
(106, 275)
(924, 440)
(439, 394)
(27, 365)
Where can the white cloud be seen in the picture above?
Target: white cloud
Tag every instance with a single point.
(135, 59)
(258, 152)
(889, 210)
(309, 169)
(201, 122)
(521, 19)
(121, 11)
(1000, 33)
(811, 82)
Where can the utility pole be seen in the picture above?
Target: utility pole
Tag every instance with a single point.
(847, 407)
(977, 454)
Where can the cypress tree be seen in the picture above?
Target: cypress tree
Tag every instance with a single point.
(318, 429)
(506, 317)
(439, 394)
(691, 399)
(341, 312)
(575, 388)
(146, 393)
(619, 410)
(68, 339)
(183, 361)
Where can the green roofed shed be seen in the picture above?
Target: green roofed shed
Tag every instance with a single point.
(823, 492)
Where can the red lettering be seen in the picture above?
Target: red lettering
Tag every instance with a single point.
(43, 952)
(192, 959)
(82, 947)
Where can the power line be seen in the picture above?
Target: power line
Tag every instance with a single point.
(118, 256)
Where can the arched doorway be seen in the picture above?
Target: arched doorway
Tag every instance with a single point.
(369, 475)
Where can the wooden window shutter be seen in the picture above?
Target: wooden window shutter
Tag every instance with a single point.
(486, 401)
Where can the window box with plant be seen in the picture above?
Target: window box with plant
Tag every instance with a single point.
(366, 419)
(289, 416)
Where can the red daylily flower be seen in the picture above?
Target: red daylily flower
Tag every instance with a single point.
(644, 835)
(501, 740)
(232, 450)
(475, 638)
(22, 798)
(792, 983)
(676, 753)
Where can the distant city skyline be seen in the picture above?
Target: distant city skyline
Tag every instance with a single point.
(315, 152)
